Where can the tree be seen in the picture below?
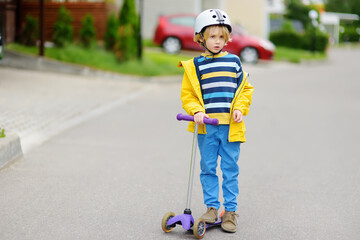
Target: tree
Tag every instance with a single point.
(126, 47)
(297, 10)
(63, 30)
(343, 6)
(128, 14)
(30, 34)
(111, 32)
(87, 31)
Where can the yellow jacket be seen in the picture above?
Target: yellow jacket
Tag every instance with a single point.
(192, 101)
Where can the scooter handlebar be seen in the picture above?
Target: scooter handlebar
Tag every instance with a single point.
(184, 117)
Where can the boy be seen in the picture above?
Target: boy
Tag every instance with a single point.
(215, 86)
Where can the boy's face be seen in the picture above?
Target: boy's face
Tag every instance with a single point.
(215, 41)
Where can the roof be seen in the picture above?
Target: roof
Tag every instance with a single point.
(343, 16)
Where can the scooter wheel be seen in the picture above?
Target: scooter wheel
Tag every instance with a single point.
(166, 228)
(199, 228)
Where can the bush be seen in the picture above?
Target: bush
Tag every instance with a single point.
(287, 36)
(126, 43)
(87, 31)
(349, 34)
(30, 34)
(63, 30)
(287, 39)
(126, 47)
(111, 32)
(321, 40)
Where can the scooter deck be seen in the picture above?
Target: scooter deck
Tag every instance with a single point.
(217, 223)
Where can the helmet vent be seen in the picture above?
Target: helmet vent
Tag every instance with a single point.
(211, 17)
(219, 16)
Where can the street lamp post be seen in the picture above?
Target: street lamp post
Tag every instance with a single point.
(140, 49)
(42, 28)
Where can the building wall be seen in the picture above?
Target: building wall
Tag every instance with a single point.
(276, 7)
(252, 15)
(208, 4)
(154, 8)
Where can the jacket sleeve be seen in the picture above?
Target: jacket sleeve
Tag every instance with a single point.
(244, 100)
(190, 101)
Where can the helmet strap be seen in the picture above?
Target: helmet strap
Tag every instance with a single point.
(204, 46)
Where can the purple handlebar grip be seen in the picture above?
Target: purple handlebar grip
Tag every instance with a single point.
(212, 121)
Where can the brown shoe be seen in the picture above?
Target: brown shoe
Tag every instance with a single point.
(210, 216)
(229, 222)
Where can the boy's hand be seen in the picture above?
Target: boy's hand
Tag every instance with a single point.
(199, 117)
(237, 115)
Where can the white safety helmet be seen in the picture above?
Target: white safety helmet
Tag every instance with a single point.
(211, 17)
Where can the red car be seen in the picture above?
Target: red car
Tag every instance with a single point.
(176, 32)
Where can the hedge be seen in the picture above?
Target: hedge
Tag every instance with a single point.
(296, 40)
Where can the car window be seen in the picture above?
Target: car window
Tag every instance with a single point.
(184, 21)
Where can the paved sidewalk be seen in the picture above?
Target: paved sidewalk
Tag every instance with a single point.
(37, 105)
(41, 97)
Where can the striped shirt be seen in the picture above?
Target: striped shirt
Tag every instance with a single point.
(219, 78)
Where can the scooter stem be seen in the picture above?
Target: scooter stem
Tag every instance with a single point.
(192, 166)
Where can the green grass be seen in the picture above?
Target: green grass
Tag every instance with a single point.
(296, 55)
(154, 63)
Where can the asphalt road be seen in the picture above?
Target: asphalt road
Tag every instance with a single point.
(115, 175)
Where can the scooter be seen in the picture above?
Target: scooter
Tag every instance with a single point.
(170, 220)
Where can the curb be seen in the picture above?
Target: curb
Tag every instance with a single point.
(10, 148)
(19, 60)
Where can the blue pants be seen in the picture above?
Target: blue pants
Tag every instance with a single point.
(213, 144)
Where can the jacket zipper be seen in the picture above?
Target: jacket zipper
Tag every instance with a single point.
(232, 106)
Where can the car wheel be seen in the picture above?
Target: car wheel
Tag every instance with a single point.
(171, 45)
(249, 55)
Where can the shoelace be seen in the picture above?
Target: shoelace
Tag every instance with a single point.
(235, 214)
(230, 217)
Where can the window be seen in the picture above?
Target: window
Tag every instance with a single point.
(184, 21)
